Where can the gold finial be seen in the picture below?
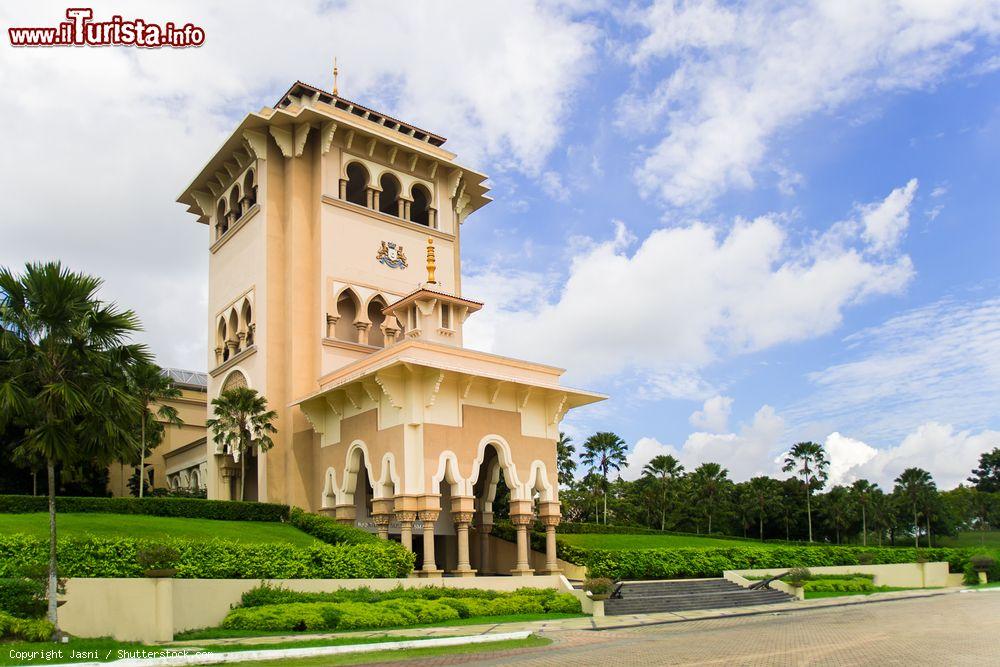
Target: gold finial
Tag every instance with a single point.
(336, 72)
(430, 262)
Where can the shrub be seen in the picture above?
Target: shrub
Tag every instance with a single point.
(25, 629)
(563, 603)
(295, 616)
(327, 530)
(599, 586)
(982, 562)
(461, 607)
(841, 585)
(22, 597)
(797, 576)
(157, 557)
(191, 508)
(866, 558)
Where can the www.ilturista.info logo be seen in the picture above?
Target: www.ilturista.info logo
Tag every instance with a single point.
(81, 30)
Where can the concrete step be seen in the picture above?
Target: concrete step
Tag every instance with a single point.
(659, 596)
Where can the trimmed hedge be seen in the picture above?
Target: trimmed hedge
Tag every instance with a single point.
(190, 508)
(214, 559)
(839, 585)
(695, 563)
(22, 597)
(25, 629)
(328, 530)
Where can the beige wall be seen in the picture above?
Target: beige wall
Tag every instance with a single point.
(153, 610)
(898, 575)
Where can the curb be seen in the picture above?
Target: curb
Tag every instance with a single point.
(297, 653)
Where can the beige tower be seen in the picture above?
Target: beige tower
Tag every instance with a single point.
(335, 291)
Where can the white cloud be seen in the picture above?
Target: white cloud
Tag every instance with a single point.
(845, 454)
(714, 415)
(687, 296)
(745, 73)
(939, 362)
(102, 140)
(886, 222)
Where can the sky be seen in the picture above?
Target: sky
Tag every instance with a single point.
(750, 224)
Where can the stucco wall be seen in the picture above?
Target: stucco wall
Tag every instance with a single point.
(899, 575)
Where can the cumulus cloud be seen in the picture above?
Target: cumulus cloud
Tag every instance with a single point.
(886, 222)
(685, 297)
(742, 74)
(714, 415)
(846, 454)
(102, 140)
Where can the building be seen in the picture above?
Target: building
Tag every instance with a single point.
(335, 290)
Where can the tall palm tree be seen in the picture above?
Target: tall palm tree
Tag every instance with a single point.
(762, 492)
(912, 485)
(564, 459)
(663, 469)
(64, 378)
(861, 493)
(241, 421)
(151, 386)
(808, 459)
(710, 481)
(603, 452)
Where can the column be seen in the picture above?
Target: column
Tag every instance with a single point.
(430, 567)
(381, 522)
(462, 523)
(551, 559)
(484, 546)
(343, 189)
(346, 514)
(362, 328)
(523, 567)
(406, 520)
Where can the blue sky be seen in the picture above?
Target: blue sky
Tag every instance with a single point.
(748, 223)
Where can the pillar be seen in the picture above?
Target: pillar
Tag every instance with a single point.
(362, 328)
(522, 522)
(462, 522)
(381, 522)
(406, 520)
(485, 528)
(551, 558)
(346, 514)
(429, 568)
(343, 189)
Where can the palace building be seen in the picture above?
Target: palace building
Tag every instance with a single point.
(335, 290)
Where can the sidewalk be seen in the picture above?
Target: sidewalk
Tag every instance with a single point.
(588, 623)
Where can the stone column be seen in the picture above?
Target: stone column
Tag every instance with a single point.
(523, 567)
(462, 522)
(551, 559)
(485, 528)
(343, 189)
(429, 568)
(406, 520)
(362, 328)
(346, 514)
(381, 522)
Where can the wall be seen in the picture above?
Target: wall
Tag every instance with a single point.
(900, 575)
(153, 610)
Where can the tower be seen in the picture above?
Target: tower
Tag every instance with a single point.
(335, 291)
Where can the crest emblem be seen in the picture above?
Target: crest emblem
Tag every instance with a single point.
(391, 255)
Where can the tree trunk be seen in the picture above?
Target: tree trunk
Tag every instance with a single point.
(787, 534)
(809, 513)
(864, 527)
(53, 563)
(761, 527)
(928, 531)
(243, 477)
(142, 458)
(709, 523)
(916, 529)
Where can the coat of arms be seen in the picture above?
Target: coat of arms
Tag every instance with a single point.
(391, 255)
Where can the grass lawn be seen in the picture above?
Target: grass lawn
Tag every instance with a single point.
(133, 525)
(813, 595)
(601, 541)
(987, 539)
(223, 633)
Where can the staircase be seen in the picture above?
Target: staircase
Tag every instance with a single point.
(644, 597)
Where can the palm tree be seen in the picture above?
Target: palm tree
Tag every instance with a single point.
(761, 493)
(151, 386)
(64, 377)
(663, 469)
(810, 458)
(241, 421)
(881, 512)
(912, 485)
(603, 452)
(564, 459)
(709, 481)
(861, 492)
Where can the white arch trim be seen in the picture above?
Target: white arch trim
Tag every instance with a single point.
(448, 470)
(329, 489)
(506, 461)
(351, 469)
(388, 478)
(538, 480)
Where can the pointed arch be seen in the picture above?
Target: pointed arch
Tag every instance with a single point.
(388, 481)
(506, 462)
(538, 480)
(356, 178)
(422, 203)
(390, 190)
(374, 309)
(348, 305)
(236, 202)
(448, 471)
(329, 499)
(357, 459)
(250, 188)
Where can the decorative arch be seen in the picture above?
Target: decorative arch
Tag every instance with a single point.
(375, 315)
(349, 312)
(506, 460)
(356, 453)
(388, 480)
(422, 203)
(538, 480)
(236, 202)
(246, 316)
(448, 471)
(220, 339)
(250, 188)
(356, 181)
(194, 482)
(389, 201)
(221, 218)
(329, 499)
(234, 379)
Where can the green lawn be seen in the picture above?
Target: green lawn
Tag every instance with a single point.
(987, 539)
(601, 541)
(812, 595)
(153, 527)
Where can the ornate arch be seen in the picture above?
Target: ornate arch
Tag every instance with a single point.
(329, 498)
(448, 471)
(538, 480)
(236, 378)
(506, 462)
(352, 466)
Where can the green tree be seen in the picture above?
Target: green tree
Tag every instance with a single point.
(987, 476)
(790, 502)
(604, 452)
(861, 495)
(151, 387)
(663, 469)
(242, 421)
(64, 377)
(808, 459)
(912, 485)
(762, 493)
(836, 508)
(709, 482)
(564, 459)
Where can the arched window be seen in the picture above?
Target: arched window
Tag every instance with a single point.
(234, 380)
(357, 184)
(420, 209)
(235, 205)
(347, 307)
(375, 335)
(388, 201)
(249, 189)
(221, 222)
(220, 342)
(234, 328)
(247, 313)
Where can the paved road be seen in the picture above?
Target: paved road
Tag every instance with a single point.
(959, 629)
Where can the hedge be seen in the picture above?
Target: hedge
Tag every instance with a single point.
(711, 562)
(22, 597)
(25, 629)
(213, 559)
(328, 530)
(190, 508)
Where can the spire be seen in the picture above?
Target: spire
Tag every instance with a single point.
(336, 72)
(430, 262)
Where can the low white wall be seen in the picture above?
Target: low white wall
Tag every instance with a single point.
(153, 610)
(898, 575)
(778, 585)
